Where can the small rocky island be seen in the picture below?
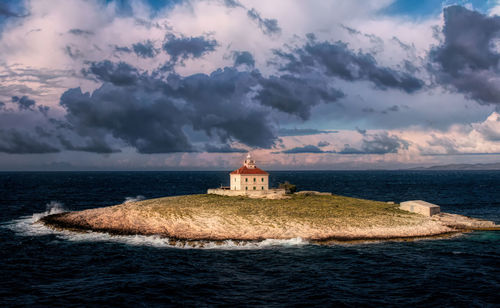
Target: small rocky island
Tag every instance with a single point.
(250, 211)
(308, 216)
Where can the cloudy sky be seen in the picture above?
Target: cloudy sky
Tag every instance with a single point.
(194, 85)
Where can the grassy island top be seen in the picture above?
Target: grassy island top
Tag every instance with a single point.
(298, 208)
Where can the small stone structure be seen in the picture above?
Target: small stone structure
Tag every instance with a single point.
(420, 207)
(249, 180)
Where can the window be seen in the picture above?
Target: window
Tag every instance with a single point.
(235, 179)
(254, 179)
(262, 187)
(246, 180)
(262, 179)
(254, 188)
(246, 188)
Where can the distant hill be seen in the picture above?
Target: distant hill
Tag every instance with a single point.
(492, 166)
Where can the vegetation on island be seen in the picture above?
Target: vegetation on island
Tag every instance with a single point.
(290, 188)
(298, 208)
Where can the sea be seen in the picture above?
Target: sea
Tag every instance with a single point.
(40, 267)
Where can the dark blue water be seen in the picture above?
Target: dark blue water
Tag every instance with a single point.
(43, 268)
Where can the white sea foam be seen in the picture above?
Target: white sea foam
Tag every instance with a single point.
(134, 199)
(29, 226)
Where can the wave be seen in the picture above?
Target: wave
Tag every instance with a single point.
(29, 226)
(134, 199)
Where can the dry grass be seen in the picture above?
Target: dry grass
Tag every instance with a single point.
(299, 208)
(314, 211)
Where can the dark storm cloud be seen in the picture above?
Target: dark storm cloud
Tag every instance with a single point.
(467, 60)
(322, 144)
(337, 60)
(294, 95)
(219, 104)
(43, 109)
(268, 26)
(149, 113)
(42, 132)
(93, 145)
(120, 74)
(154, 114)
(148, 123)
(223, 149)
(145, 50)
(2, 105)
(309, 149)
(283, 132)
(393, 108)
(181, 48)
(24, 102)
(410, 67)
(381, 143)
(80, 32)
(17, 142)
(243, 58)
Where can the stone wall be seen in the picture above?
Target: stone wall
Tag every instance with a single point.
(269, 194)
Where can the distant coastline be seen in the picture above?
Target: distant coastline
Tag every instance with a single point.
(459, 167)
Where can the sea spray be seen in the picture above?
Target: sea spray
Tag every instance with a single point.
(134, 199)
(27, 225)
(53, 207)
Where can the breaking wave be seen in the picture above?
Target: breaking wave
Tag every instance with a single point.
(29, 226)
(134, 199)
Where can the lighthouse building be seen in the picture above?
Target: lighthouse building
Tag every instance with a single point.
(249, 177)
(249, 180)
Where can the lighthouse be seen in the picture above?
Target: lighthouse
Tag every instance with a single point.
(249, 177)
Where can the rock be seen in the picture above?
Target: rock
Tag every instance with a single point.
(464, 222)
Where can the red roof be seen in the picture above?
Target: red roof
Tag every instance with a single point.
(246, 170)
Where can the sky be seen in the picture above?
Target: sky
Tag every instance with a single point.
(195, 85)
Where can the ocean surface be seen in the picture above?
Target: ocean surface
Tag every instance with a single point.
(40, 267)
